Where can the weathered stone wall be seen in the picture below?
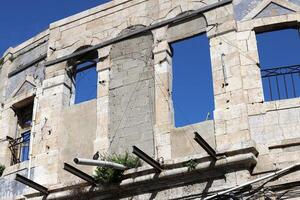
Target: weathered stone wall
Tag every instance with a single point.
(182, 139)
(134, 102)
(10, 188)
(131, 95)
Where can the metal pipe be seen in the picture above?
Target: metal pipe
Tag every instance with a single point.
(32, 133)
(99, 163)
(272, 175)
(224, 69)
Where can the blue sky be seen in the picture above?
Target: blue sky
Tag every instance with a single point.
(23, 19)
(278, 49)
(192, 81)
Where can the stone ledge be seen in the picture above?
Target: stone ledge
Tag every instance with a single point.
(13, 169)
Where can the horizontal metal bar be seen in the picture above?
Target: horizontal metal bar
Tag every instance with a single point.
(292, 69)
(179, 18)
(26, 66)
(86, 67)
(79, 174)
(205, 145)
(139, 153)
(32, 184)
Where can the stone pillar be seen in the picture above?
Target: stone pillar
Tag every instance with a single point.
(55, 96)
(227, 55)
(8, 121)
(164, 119)
(101, 143)
(231, 117)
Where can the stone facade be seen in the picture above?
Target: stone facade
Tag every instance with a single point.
(252, 138)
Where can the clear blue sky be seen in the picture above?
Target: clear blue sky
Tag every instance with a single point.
(22, 19)
(192, 81)
(278, 49)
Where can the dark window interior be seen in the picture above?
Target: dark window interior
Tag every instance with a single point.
(25, 115)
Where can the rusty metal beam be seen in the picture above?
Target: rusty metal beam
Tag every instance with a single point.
(32, 184)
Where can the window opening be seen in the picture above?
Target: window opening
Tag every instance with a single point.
(25, 146)
(84, 76)
(85, 82)
(192, 91)
(280, 63)
(19, 146)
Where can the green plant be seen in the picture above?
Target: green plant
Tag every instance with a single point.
(2, 168)
(191, 165)
(106, 175)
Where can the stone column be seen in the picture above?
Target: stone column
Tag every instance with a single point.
(164, 119)
(231, 117)
(101, 143)
(8, 121)
(227, 54)
(48, 144)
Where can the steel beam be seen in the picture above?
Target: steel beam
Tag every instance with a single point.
(32, 184)
(24, 67)
(139, 153)
(205, 145)
(79, 174)
(185, 16)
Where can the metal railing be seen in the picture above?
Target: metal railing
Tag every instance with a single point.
(19, 148)
(281, 82)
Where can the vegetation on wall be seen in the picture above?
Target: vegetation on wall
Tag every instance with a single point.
(2, 168)
(191, 165)
(106, 175)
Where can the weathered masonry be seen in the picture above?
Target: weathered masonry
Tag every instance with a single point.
(101, 80)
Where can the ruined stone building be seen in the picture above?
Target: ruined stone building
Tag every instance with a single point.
(125, 48)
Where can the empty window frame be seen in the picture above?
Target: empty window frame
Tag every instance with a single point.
(280, 63)
(192, 94)
(84, 76)
(85, 82)
(24, 154)
(20, 145)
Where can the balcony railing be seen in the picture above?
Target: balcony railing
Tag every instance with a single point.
(19, 148)
(281, 82)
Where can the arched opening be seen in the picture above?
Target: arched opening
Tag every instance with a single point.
(83, 74)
